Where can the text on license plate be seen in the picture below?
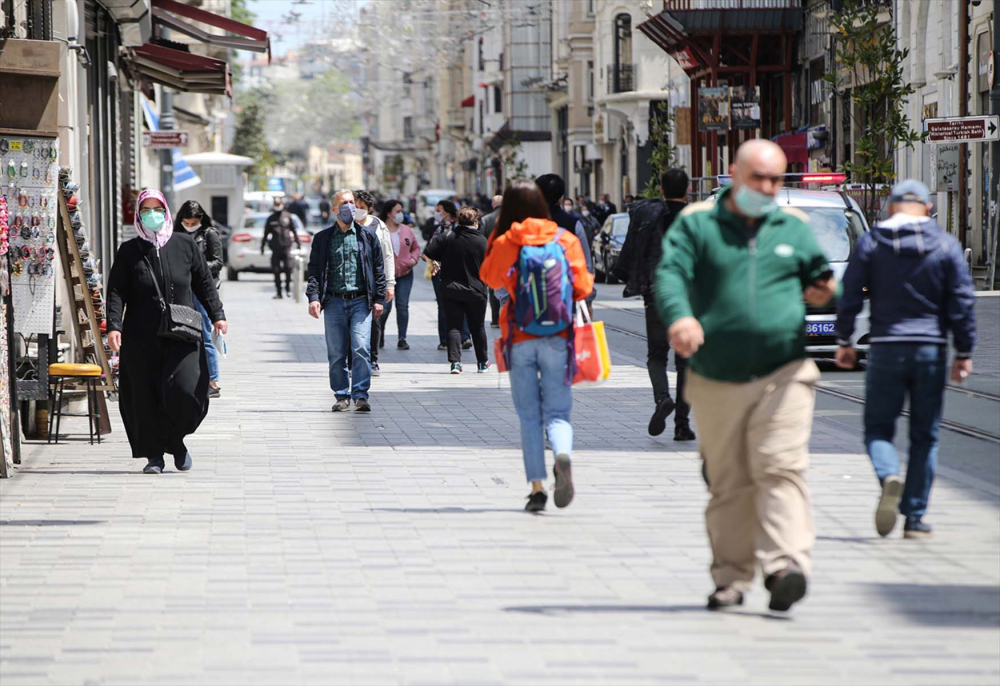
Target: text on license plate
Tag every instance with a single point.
(819, 328)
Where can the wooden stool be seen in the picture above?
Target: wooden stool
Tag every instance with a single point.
(87, 374)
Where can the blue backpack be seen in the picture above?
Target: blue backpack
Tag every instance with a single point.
(543, 304)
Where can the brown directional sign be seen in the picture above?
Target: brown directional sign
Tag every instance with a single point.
(963, 129)
(158, 140)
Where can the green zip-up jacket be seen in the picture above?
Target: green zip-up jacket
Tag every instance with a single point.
(745, 291)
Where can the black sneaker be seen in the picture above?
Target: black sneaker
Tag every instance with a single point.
(183, 462)
(277, 297)
(887, 510)
(658, 422)
(153, 467)
(683, 433)
(361, 405)
(342, 405)
(563, 472)
(214, 392)
(402, 345)
(467, 344)
(724, 596)
(536, 502)
(442, 346)
(456, 367)
(787, 587)
(483, 367)
(915, 528)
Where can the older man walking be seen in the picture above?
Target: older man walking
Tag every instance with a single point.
(347, 285)
(730, 288)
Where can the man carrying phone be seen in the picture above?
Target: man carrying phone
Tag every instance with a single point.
(730, 288)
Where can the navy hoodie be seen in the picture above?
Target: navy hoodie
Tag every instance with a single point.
(918, 284)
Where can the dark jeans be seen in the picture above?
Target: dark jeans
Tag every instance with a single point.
(657, 351)
(442, 319)
(897, 370)
(494, 309)
(459, 313)
(404, 286)
(281, 263)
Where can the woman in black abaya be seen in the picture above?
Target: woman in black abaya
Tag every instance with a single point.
(163, 383)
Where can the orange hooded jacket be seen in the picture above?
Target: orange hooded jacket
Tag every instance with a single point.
(502, 254)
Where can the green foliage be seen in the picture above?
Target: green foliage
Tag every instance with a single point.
(869, 64)
(514, 166)
(392, 173)
(249, 139)
(301, 113)
(664, 155)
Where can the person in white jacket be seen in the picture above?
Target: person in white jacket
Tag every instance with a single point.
(365, 202)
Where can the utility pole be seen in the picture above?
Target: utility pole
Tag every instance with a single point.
(167, 124)
(993, 192)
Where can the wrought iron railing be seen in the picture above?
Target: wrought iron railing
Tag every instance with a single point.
(682, 5)
(621, 78)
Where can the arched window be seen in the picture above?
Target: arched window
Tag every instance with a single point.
(622, 80)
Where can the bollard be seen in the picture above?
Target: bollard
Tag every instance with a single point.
(300, 266)
(968, 259)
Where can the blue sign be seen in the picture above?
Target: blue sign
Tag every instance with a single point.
(276, 183)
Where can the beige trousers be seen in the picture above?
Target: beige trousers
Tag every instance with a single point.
(754, 438)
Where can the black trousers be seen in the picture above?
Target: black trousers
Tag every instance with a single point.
(378, 326)
(474, 312)
(494, 308)
(657, 352)
(281, 263)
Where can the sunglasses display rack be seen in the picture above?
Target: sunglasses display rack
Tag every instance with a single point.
(29, 182)
(8, 410)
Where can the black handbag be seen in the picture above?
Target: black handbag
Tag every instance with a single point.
(177, 322)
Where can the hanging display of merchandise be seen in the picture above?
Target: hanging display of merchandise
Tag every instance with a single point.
(29, 168)
(7, 439)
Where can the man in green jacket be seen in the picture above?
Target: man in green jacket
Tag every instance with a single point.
(730, 288)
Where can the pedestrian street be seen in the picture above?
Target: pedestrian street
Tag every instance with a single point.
(306, 547)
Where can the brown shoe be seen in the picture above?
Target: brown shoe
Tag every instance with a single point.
(724, 596)
(787, 587)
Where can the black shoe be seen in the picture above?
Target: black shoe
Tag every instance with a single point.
(361, 405)
(536, 502)
(442, 346)
(915, 528)
(214, 392)
(658, 422)
(456, 367)
(494, 325)
(483, 367)
(683, 433)
(724, 596)
(467, 344)
(342, 405)
(153, 467)
(182, 462)
(277, 297)
(887, 511)
(402, 345)
(563, 472)
(787, 587)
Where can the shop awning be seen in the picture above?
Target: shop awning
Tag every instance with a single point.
(181, 70)
(469, 101)
(795, 146)
(238, 36)
(184, 176)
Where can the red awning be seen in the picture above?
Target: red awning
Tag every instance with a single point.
(181, 70)
(246, 38)
(795, 146)
(469, 101)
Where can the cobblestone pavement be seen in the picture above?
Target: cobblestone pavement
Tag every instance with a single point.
(311, 548)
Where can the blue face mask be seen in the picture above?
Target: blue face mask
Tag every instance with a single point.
(347, 213)
(754, 204)
(152, 220)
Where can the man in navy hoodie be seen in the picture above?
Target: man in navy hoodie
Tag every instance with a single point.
(920, 288)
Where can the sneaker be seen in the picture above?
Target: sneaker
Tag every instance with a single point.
(563, 472)
(536, 502)
(375, 370)
(277, 297)
(442, 346)
(456, 367)
(361, 405)
(402, 345)
(915, 528)
(724, 596)
(182, 462)
(888, 505)
(494, 325)
(483, 367)
(467, 344)
(214, 392)
(787, 587)
(658, 422)
(342, 405)
(683, 433)
(153, 467)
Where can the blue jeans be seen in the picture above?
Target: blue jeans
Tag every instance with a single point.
(896, 370)
(404, 285)
(348, 331)
(542, 399)
(442, 319)
(206, 336)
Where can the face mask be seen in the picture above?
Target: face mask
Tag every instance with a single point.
(585, 213)
(151, 220)
(360, 215)
(398, 218)
(347, 213)
(753, 203)
(191, 229)
(568, 208)
(437, 217)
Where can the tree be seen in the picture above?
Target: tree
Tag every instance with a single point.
(664, 155)
(249, 139)
(316, 112)
(514, 166)
(869, 81)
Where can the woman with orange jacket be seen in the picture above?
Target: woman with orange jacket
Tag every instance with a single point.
(539, 378)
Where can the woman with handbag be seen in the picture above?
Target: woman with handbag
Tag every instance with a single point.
(540, 366)
(163, 372)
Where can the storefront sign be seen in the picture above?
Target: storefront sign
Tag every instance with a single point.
(713, 109)
(745, 106)
(164, 140)
(963, 129)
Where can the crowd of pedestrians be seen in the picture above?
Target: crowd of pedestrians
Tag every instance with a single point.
(724, 284)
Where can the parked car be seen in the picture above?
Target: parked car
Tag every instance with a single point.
(428, 199)
(838, 223)
(245, 241)
(607, 246)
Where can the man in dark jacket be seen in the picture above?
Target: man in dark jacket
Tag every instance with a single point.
(636, 266)
(919, 288)
(554, 188)
(347, 285)
(300, 208)
(279, 235)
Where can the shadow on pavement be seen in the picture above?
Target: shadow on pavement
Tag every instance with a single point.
(447, 510)
(49, 522)
(943, 605)
(615, 609)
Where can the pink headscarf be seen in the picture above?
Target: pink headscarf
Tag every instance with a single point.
(160, 238)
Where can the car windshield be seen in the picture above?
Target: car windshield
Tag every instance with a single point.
(619, 227)
(433, 200)
(836, 230)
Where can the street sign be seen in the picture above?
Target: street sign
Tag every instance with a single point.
(164, 140)
(963, 129)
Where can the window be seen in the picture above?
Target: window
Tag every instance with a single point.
(407, 128)
(497, 100)
(590, 81)
(621, 75)
(482, 58)
(501, 61)
(590, 8)
(482, 117)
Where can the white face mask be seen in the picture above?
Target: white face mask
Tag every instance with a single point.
(568, 208)
(398, 217)
(360, 216)
(191, 229)
(585, 213)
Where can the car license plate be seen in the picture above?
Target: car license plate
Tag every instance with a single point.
(819, 328)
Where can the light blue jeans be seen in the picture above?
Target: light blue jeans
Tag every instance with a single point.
(542, 400)
(211, 354)
(348, 332)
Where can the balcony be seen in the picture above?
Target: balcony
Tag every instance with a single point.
(691, 5)
(621, 78)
